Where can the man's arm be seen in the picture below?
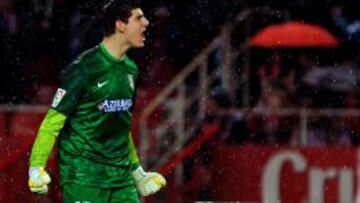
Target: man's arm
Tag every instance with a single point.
(146, 182)
(134, 159)
(67, 96)
(44, 143)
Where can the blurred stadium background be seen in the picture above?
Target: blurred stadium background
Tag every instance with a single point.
(241, 101)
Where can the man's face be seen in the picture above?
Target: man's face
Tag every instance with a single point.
(135, 27)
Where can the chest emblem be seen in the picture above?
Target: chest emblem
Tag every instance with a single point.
(131, 81)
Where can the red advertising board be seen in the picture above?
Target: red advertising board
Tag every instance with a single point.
(286, 175)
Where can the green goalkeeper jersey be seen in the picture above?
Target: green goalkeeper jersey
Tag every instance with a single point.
(97, 97)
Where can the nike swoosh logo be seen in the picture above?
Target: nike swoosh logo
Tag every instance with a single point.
(100, 84)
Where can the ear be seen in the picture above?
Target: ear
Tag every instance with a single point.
(120, 26)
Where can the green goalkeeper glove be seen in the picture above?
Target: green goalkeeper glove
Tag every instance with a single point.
(38, 180)
(148, 182)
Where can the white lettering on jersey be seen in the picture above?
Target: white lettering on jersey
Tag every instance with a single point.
(119, 105)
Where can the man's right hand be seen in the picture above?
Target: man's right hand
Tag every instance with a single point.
(38, 180)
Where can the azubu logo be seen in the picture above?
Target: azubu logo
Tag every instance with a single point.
(115, 105)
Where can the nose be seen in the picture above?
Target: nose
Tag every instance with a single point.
(146, 22)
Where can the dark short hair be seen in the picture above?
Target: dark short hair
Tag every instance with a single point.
(117, 10)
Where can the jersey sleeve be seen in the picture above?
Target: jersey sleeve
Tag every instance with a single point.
(72, 86)
(45, 139)
(134, 159)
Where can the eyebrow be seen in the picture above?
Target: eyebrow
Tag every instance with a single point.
(139, 16)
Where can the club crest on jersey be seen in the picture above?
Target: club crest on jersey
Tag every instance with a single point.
(131, 81)
(60, 93)
(118, 105)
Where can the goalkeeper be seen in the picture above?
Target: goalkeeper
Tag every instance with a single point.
(90, 117)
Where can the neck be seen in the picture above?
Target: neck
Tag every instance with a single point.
(115, 46)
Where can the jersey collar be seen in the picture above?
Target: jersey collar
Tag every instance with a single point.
(109, 56)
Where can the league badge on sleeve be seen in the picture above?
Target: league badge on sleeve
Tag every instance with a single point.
(58, 97)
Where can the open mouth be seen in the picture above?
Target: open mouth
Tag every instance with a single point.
(143, 35)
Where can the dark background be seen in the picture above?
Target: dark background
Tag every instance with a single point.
(37, 43)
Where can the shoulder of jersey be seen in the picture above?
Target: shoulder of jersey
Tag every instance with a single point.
(87, 59)
(86, 55)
